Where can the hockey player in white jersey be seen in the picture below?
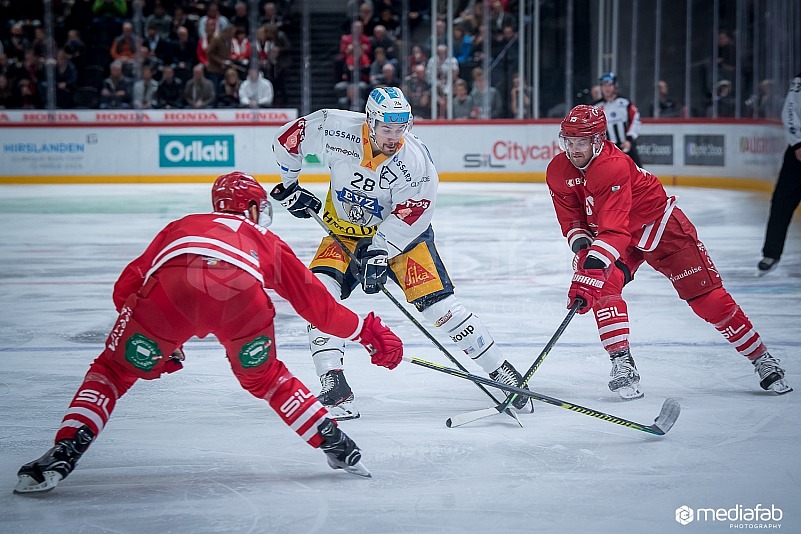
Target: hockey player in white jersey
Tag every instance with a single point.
(380, 202)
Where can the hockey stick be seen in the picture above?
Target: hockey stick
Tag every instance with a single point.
(469, 417)
(662, 424)
(405, 312)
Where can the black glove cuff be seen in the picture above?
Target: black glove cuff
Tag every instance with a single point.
(593, 263)
(280, 192)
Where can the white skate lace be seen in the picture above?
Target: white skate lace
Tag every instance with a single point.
(505, 376)
(328, 383)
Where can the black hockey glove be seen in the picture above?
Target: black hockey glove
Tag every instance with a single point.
(296, 199)
(372, 267)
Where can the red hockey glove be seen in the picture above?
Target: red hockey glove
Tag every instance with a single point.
(579, 258)
(586, 286)
(385, 348)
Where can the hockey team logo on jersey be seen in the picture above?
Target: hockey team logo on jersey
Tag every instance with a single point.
(293, 137)
(411, 210)
(369, 205)
(142, 352)
(416, 274)
(255, 352)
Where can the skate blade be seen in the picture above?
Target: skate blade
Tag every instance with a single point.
(343, 411)
(527, 408)
(357, 469)
(780, 387)
(630, 392)
(27, 484)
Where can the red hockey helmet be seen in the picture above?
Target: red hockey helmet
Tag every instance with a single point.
(236, 192)
(584, 121)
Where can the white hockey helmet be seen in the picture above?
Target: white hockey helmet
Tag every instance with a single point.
(388, 105)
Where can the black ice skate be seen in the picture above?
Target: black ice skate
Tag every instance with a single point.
(766, 265)
(45, 473)
(771, 376)
(625, 378)
(337, 396)
(507, 374)
(341, 451)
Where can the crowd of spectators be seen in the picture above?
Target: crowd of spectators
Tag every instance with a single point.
(369, 57)
(144, 54)
(149, 54)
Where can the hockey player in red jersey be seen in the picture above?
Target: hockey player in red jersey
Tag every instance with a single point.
(615, 216)
(207, 274)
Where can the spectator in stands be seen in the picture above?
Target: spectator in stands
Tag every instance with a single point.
(499, 18)
(513, 98)
(170, 94)
(355, 43)
(116, 92)
(241, 17)
(417, 57)
(219, 54)
(389, 20)
(418, 91)
(39, 43)
(199, 91)
(212, 15)
(725, 100)
(66, 78)
(463, 105)
(462, 45)
(377, 66)
(6, 94)
(205, 40)
(668, 109)
(184, 53)
(158, 48)
(145, 90)
(439, 66)
(270, 15)
(480, 89)
(181, 20)
(389, 77)
(256, 91)
(240, 51)
(765, 104)
(228, 91)
(76, 50)
(26, 96)
(16, 44)
(364, 18)
(274, 58)
(160, 20)
(107, 17)
(381, 39)
(445, 89)
(123, 48)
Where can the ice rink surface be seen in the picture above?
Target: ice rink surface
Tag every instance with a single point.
(194, 453)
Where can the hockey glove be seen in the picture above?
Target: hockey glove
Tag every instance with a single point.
(385, 348)
(372, 267)
(175, 361)
(588, 280)
(296, 199)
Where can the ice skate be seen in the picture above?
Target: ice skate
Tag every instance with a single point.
(625, 378)
(337, 396)
(507, 374)
(766, 265)
(55, 465)
(771, 376)
(341, 451)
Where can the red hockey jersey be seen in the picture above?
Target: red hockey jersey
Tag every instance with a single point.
(612, 202)
(236, 240)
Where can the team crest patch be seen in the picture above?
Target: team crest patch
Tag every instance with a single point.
(411, 210)
(142, 352)
(255, 352)
(416, 274)
(292, 138)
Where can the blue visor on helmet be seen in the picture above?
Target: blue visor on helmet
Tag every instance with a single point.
(608, 77)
